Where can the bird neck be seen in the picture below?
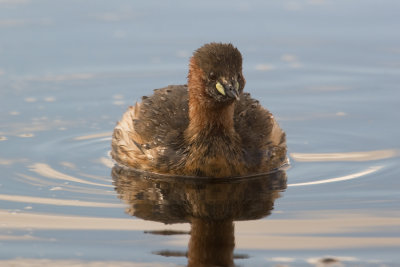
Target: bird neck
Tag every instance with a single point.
(204, 113)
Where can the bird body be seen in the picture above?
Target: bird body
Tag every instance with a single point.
(208, 127)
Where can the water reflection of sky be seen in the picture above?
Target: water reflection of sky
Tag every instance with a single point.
(328, 70)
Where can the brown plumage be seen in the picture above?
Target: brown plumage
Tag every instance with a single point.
(206, 128)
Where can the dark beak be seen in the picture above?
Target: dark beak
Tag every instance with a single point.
(231, 91)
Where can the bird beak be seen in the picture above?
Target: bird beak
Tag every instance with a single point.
(232, 90)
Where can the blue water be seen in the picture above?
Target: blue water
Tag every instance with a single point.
(328, 70)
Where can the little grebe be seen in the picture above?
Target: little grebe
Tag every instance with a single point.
(208, 127)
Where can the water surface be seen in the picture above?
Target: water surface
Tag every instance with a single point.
(328, 70)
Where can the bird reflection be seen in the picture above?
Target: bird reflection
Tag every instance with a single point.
(210, 205)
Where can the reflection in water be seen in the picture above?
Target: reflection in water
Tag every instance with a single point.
(346, 156)
(47, 171)
(93, 136)
(210, 205)
(57, 201)
(341, 178)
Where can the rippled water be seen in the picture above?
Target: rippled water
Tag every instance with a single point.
(328, 70)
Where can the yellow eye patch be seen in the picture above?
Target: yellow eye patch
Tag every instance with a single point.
(236, 85)
(220, 88)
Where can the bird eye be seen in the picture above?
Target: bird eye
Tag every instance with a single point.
(211, 76)
(220, 88)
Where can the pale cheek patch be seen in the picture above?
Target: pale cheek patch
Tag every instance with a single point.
(236, 85)
(220, 88)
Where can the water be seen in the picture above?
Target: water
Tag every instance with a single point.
(328, 70)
